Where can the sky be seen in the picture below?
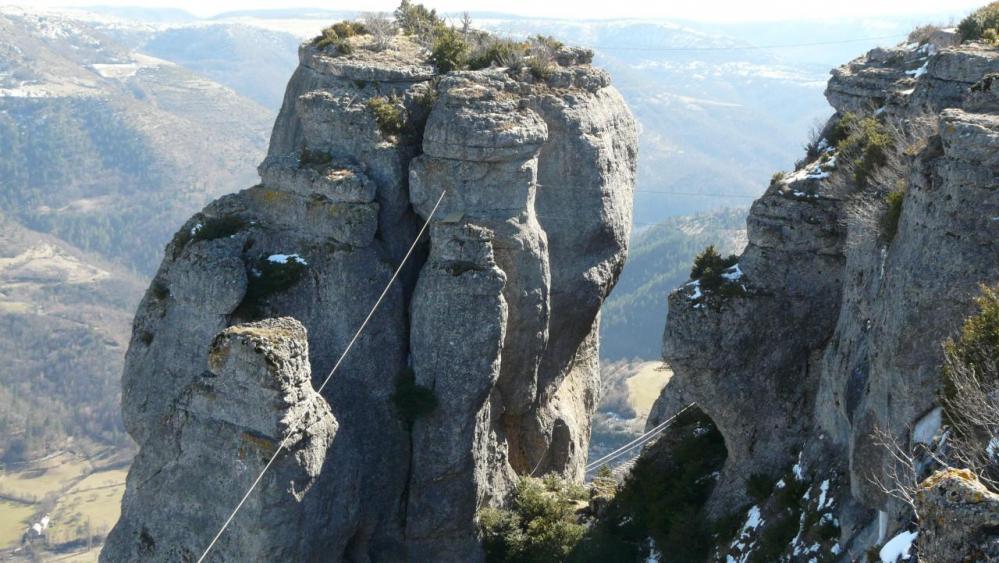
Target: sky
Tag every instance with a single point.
(702, 10)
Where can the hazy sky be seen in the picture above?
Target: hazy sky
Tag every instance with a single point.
(705, 10)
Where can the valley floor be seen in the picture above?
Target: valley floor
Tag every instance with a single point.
(61, 506)
(630, 387)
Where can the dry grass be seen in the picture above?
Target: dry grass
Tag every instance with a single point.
(644, 387)
(14, 520)
(96, 499)
(73, 490)
(45, 478)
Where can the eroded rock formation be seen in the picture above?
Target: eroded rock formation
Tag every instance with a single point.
(497, 315)
(223, 429)
(831, 332)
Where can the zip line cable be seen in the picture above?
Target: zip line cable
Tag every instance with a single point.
(329, 376)
(638, 442)
(643, 438)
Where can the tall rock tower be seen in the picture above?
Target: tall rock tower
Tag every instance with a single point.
(495, 315)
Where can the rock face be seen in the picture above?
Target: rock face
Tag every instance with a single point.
(835, 331)
(958, 518)
(224, 428)
(497, 316)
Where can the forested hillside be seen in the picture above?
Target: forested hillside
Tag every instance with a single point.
(108, 149)
(103, 151)
(659, 261)
(64, 320)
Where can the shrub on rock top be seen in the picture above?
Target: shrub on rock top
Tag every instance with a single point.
(450, 51)
(338, 35)
(709, 267)
(977, 23)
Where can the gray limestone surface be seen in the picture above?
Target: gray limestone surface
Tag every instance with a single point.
(495, 314)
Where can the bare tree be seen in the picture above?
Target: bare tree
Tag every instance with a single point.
(901, 475)
(971, 390)
(466, 23)
(382, 29)
(923, 33)
(862, 214)
(970, 401)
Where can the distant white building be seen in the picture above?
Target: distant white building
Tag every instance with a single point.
(39, 527)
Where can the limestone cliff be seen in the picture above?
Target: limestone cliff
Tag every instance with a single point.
(831, 325)
(497, 315)
(180, 472)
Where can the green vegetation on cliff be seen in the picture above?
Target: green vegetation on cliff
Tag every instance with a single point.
(709, 268)
(863, 144)
(662, 499)
(389, 114)
(539, 526)
(970, 385)
(893, 201)
(983, 23)
(658, 506)
(267, 277)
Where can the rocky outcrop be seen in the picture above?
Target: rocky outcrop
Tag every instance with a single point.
(833, 335)
(457, 454)
(496, 316)
(958, 518)
(224, 428)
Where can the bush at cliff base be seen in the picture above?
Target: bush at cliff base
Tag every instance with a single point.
(662, 501)
(539, 527)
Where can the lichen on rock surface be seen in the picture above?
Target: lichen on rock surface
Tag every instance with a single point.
(496, 315)
(959, 518)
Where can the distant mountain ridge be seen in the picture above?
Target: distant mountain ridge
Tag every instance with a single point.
(108, 148)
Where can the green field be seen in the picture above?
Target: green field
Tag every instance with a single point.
(14, 520)
(96, 499)
(80, 493)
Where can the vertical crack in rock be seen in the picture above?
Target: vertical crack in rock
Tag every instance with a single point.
(459, 320)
